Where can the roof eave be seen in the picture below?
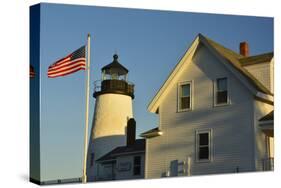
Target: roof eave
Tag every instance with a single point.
(106, 160)
(267, 122)
(154, 103)
(128, 153)
(152, 134)
(265, 97)
(268, 59)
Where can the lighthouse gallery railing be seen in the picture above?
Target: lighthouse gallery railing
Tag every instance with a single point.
(112, 85)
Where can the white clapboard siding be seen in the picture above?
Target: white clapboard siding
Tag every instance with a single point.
(232, 126)
(261, 109)
(155, 164)
(128, 174)
(263, 72)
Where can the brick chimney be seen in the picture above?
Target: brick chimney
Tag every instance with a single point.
(131, 131)
(244, 49)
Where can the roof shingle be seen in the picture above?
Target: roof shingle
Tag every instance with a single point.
(138, 146)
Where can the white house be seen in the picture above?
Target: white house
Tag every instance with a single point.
(123, 162)
(215, 114)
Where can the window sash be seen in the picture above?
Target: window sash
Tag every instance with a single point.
(203, 145)
(203, 139)
(185, 102)
(185, 96)
(221, 91)
(204, 153)
(137, 170)
(137, 160)
(185, 90)
(222, 97)
(137, 165)
(222, 84)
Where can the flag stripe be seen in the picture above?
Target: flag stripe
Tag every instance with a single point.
(73, 66)
(68, 65)
(62, 60)
(71, 63)
(60, 63)
(66, 72)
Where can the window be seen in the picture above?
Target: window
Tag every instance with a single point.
(221, 92)
(114, 76)
(203, 145)
(137, 165)
(184, 96)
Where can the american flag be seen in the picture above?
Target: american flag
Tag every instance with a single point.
(71, 63)
(31, 72)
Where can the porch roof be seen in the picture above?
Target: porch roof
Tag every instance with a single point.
(267, 117)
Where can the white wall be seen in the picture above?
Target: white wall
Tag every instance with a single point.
(112, 111)
(263, 72)
(261, 109)
(231, 125)
(122, 175)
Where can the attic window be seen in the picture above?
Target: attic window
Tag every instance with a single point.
(184, 96)
(221, 91)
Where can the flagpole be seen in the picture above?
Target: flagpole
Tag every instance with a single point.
(84, 177)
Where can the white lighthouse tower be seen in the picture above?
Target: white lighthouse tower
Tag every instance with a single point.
(113, 108)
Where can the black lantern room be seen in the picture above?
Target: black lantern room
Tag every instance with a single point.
(114, 80)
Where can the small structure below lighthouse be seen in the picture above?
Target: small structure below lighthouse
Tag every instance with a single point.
(113, 108)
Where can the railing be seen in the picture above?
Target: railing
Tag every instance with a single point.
(268, 164)
(121, 86)
(62, 181)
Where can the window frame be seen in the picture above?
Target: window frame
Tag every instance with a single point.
(138, 165)
(215, 92)
(180, 84)
(210, 144)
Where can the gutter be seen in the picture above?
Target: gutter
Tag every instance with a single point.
(152, 134)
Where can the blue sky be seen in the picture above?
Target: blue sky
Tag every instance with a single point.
(149, 44)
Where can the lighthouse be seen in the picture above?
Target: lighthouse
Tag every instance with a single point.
(114, 95)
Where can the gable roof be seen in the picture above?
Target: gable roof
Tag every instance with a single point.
(253, 60)
(232, 58)
(138, 146)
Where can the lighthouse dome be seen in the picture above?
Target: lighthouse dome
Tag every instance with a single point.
(115, 67)
(114, 80)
